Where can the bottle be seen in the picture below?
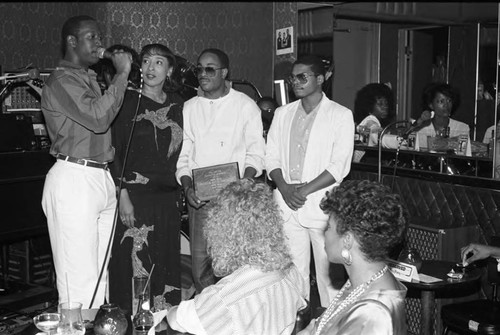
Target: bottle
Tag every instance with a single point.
(143, 319)
(110, 320)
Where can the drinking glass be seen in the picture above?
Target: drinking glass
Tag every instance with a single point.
(47, 322)
(138, 284)
(71, 319)
(411, 256)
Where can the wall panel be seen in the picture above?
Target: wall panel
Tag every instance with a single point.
(30, 32)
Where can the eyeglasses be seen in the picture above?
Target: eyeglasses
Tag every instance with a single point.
(301, 77)
(209, 70)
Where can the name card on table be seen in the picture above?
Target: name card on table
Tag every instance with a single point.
(403, 271)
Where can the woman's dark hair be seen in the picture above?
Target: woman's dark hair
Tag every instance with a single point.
(366, 98)
(432, 89)
(172, 82)
(105, 66)
(371, 212)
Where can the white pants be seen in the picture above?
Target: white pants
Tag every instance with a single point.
(79, 203)
(300, 240)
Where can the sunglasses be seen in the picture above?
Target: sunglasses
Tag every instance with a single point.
(302, 78)
(209, 70)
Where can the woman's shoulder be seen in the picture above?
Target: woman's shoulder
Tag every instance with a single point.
(458, 124)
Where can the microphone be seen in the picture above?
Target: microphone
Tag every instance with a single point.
(103, 53)
(416, 126)
(23, 76)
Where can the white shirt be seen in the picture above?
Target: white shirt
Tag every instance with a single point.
(487, 134)
(246, 302)
(299, 137)
(456, 128)
(219, 131)
(330, 147)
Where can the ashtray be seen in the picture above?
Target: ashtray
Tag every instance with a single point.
(459, 267)
(455, 274)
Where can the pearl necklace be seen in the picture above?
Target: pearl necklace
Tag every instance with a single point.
(331, 311)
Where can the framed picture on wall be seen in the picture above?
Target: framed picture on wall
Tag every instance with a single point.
(284, 41)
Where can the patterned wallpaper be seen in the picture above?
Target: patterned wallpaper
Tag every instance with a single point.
(285, 15)
(30, 32)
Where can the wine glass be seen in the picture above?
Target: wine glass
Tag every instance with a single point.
(47, 322)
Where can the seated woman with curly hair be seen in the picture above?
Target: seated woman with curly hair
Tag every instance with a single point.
(373, 110)
(366, 221)
(262, 290)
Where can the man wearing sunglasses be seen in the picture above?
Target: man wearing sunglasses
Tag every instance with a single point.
(221, 126)
(309, 149)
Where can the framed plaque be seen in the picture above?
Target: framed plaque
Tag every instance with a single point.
(208, 181)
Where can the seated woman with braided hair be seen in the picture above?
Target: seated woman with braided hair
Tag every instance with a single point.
(262, 290)
(366, 221)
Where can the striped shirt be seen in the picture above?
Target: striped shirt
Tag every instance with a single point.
(246, 302)
(77, 115)
(299, 138)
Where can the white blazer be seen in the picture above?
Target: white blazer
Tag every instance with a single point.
(330, 148)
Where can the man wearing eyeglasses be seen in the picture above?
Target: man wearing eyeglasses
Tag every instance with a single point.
(309, 150)
(221, 125)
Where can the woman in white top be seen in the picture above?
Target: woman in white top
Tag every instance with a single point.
(373, 109)
(443, 100)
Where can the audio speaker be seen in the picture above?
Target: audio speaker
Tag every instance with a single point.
(16, 132)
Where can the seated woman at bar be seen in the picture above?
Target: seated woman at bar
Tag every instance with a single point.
(373, 110)
(366, 222)
(439, 101)
(374, 106)
(262, 290)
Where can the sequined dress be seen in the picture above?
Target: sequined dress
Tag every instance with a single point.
(150, 181)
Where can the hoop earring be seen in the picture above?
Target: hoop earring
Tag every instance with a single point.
(346, 256)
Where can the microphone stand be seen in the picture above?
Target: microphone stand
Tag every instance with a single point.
(382, 133)
(4, 89)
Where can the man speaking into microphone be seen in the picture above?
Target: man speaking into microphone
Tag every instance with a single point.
(79, 196)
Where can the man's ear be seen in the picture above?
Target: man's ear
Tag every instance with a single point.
(224, 73)
(320, 79)
(71, 41)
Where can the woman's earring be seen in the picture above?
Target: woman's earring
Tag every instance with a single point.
(346, 256)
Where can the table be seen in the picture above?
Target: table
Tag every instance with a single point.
(32, 330)
(438, 269)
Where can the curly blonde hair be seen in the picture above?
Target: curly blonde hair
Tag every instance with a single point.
(245, 227)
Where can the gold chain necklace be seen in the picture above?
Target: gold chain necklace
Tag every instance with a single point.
(331, 311)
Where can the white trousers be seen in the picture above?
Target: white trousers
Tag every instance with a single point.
(79, 203)
(300, 240)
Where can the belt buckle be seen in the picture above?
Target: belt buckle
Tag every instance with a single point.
(81, 161)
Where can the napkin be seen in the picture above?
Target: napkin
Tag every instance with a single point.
(158, 317)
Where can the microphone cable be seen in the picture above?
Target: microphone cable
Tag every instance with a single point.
(120, 186)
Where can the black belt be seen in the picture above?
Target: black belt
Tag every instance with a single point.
(81, 161)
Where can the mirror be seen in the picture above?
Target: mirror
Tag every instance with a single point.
(486, 113)
(423, 58)
(454, 42)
